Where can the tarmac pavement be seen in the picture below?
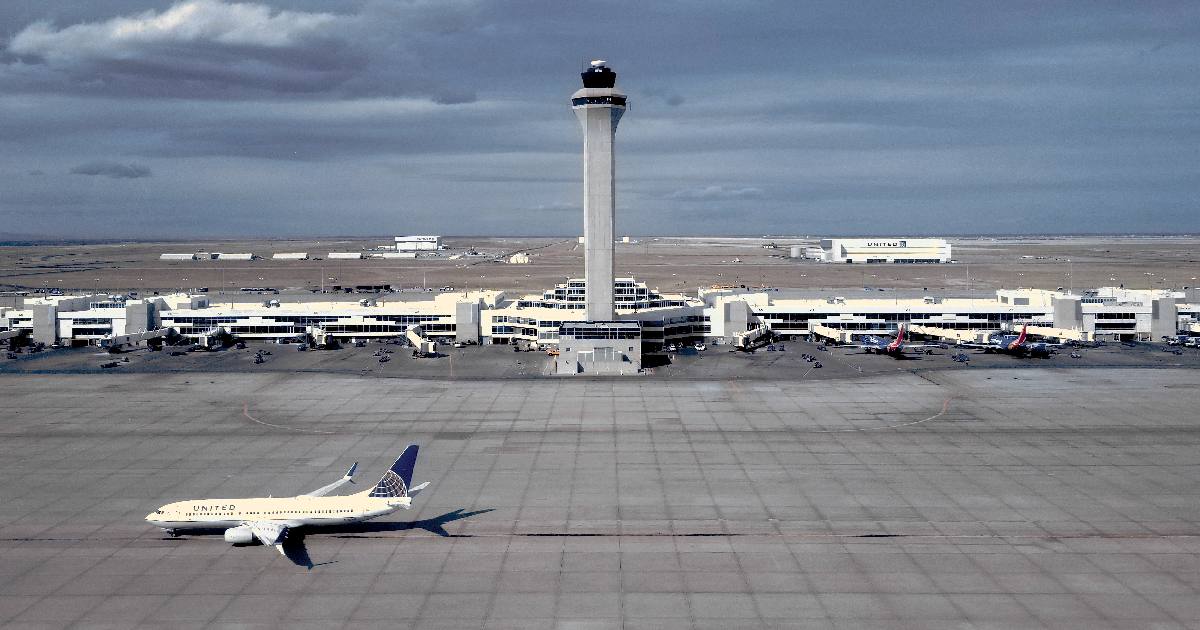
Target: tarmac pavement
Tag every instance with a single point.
(1028, 497)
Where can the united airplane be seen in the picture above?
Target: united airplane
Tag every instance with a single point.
(268, 520)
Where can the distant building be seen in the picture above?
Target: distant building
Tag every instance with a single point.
(519, 258)
(290, 256)
(345, 256)
(418, 243)
(178, 257)
(235, 256)
(885, 250)
(395, 255)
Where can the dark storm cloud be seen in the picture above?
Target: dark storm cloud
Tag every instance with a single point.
(757, 117)
(112, 170)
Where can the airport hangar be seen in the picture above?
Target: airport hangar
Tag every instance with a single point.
(882, 250)
(720, 315)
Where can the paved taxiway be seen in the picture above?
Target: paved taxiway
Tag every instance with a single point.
(1015, 498)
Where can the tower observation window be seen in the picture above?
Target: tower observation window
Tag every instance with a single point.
(598, 100)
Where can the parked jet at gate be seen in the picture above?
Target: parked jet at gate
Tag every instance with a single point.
(268, 520)
(893, 347)
(1015, 345)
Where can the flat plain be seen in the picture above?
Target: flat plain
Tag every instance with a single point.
(670, 264)
(1035, 497)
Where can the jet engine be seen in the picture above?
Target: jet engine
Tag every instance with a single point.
(240, 535)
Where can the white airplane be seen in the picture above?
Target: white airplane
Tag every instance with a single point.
(269, 519)
(892, 347)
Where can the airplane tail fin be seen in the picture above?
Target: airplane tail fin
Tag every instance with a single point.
(899, 342)
(397, 480)
(1021, 338)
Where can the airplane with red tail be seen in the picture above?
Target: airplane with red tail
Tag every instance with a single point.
(1016, 345)
(891, 346)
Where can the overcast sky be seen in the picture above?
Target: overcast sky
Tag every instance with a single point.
(140, 118)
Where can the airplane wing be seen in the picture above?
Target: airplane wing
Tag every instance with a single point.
(324, 490)
(269, 533)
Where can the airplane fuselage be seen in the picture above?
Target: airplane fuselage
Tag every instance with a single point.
(290, 511)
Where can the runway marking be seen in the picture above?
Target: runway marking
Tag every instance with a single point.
(246, 412)
(945, 407)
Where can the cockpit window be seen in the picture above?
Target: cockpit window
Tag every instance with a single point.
(158, 511)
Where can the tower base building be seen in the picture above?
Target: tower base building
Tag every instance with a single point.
(608, 348)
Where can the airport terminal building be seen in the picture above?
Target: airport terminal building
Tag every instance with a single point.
(722, 316)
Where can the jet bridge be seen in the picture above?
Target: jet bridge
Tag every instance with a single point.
(117, 343)
(833, 334)
(751, 338)
(1061, 334)
(424, 346)
(952, 334)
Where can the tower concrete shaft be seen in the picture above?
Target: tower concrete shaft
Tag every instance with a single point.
(599, 106)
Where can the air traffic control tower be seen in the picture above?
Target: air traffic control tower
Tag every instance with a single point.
(601, 344)
(598, 106)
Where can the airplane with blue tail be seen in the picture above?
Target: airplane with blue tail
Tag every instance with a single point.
(268, 520)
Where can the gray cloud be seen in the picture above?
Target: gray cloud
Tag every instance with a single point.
(557, 207)
(709, 193)
(221, 50)
(112, 170)
(193, 48)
